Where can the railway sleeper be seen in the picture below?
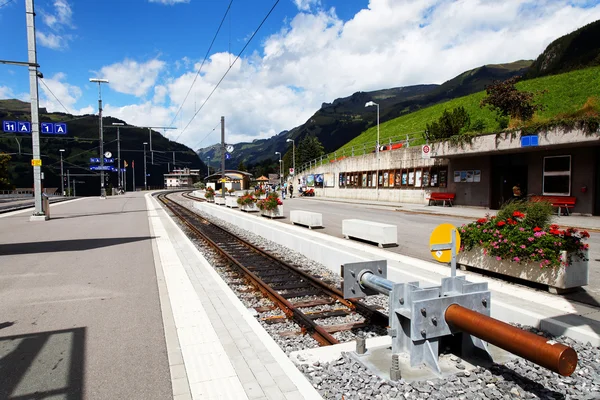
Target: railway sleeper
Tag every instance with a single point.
(327, 314)
(304, 293)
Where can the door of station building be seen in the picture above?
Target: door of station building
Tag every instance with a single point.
(507, 172)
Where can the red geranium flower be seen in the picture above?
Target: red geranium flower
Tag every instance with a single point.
(511, 221)
(518, 214)
(481, 221)
(554, 227)
(585, 234)
(501, 223)
(537, 229)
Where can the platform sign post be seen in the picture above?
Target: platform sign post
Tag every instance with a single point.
(444, 244)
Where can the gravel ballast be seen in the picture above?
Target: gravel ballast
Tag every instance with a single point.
(347, 379)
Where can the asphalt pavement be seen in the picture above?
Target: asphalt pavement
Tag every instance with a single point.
(80, 313)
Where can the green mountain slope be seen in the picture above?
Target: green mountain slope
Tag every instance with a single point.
(577, 50)
(81, 144)
(336, 123)
(566, 93)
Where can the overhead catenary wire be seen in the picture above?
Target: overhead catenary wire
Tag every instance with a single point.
(6, 3)
(203, 61)
(52, 93)
(231, 66)
(207, 135)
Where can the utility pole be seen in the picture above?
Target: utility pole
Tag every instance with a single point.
(100, 82)
(133, 174)
(150, 140)
(36, 162)
(173, 160)
(119, 174)
(223, 157)
(145, 173)
(62, 176)
(69, 182)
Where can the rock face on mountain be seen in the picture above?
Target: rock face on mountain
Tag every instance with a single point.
(577, 50)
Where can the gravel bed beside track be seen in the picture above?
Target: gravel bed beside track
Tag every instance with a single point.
(518, 379)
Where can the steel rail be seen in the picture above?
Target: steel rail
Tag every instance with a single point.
(317, 332)
(373, 316)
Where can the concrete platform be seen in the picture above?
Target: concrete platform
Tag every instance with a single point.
(109, 300)
(510, 302)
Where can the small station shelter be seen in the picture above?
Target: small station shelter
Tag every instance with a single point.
(237, 180)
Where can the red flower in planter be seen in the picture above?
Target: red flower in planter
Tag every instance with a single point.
(481, 221)
(511, 221)
(585, 234)
(537, 229)
(501, 223)
(518, 214)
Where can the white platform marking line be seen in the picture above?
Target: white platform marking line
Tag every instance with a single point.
(205, 360)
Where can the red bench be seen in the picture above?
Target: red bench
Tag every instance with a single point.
(443, 197)
(561, 202)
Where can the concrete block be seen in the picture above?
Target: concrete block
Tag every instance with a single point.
(383, 234)
(231, 202)
(306, 218)
(219, 201)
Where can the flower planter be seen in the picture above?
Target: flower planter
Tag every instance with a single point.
(559, 279)
(220, 201)
(276, 213)
(249, 207)
(231, 202)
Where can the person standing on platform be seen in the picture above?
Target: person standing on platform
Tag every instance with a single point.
(517, 191)
(283, 190)
(291, 190)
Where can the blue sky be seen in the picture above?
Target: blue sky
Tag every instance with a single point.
(308, 52)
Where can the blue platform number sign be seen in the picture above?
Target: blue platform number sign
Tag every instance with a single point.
(9, 126)
(529, 141)
(60, 129)
(24, 126)
(47, 127)
(227, 156)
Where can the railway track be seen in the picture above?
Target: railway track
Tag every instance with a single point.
(292, 290)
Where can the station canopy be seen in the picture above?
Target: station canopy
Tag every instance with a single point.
(230, 176)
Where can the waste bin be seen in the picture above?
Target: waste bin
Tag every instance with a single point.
(46, 206)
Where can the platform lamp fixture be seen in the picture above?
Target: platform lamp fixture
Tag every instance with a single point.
(100, 82)
(119, 174)
(293, 155)
(62, 176)
(279, 166)
(145, 174)
(368, 104)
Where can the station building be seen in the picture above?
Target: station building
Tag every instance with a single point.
(481, 173)
(181, 178)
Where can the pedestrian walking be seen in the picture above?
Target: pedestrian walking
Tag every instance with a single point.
(291, 191)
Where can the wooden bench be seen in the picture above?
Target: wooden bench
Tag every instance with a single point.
(443, 197)
(306, 218)
(384, 235)
(560, 202)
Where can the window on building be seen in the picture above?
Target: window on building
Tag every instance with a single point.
(557, 175)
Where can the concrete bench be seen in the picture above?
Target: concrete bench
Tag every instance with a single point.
(384, 235)
(306, 218)
(231, 202)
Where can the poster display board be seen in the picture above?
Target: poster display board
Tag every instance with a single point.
(310, 180)
(468, 176)
(318, 180)
(329, 179)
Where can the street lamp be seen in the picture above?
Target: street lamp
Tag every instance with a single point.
(119, 174)
(100, 82)
(368, 104)
(62, 176)
(145, 174)
(279, 167)
(208, 166)
(293, 155)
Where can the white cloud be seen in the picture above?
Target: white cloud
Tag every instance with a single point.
(60, 96)
(58, 20)
(317, 57)
(169, 2)
(305, 5)
(52, 41)
(131, 77)
(6, 92)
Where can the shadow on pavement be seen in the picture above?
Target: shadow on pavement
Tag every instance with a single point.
(94, 214)
(43, 365)
(65, 245)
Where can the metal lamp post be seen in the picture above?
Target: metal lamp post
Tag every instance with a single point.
(279, 166)
(208, 166)
(62, 176)
(100, 82)
(145, 174)
(293, 155)
(119, 174)
(368, 104)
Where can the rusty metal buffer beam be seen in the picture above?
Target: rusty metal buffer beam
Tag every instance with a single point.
(421, 317)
